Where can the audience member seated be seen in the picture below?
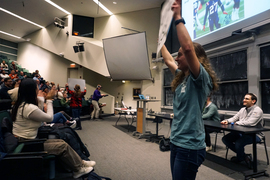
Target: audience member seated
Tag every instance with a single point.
(51, 85)
(13, 67)
(36, 77)
(4, 66)
(250, 115)
(60, 118)
(22, 76)
(4, 90)
(13, 93)
(4, 75)
(13, 75)
(41, 84)
(65, 101)
(45, 91)
(59, 95)
(27, 117)
(210, 113)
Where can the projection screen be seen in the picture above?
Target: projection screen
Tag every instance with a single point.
(127, 57)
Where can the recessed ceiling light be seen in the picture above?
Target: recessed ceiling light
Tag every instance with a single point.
(103, 7)
(58, 7)
(114, 2)
(17, 16)
(10, 34)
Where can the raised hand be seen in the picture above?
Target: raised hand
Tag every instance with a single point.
(176, 8)
(51, 94)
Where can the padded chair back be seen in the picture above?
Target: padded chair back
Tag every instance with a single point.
(3, 114)
(57, 106)
(5, 104)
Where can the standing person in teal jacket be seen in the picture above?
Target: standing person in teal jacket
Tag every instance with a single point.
(210, 113)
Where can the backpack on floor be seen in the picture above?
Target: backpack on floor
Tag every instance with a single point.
(164, 144)
(94, 176)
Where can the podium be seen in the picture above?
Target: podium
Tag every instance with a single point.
(141, 117)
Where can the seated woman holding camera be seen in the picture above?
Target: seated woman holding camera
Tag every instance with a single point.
(27, 118)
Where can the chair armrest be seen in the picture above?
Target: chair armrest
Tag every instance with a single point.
(33, 140)
(40, 153)
(33, 145)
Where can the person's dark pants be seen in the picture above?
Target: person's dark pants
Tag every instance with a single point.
(185, 162)
(236, 4)
(237, 142)
(207, 135)
(76, 114)
(212, 22)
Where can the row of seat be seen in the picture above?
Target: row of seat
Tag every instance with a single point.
(57, 106)
(28, 160)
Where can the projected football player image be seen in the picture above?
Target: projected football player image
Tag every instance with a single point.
(196, 7)
(212, 9)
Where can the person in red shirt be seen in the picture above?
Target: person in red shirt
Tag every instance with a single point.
(76, 103)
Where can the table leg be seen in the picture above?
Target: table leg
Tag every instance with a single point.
(132, 119)
(254, 153)
(118, 119)
(156, 137)
(255, 172)
(126, 119)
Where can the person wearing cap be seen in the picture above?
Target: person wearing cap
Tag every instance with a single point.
(95, 99)
(250, 115)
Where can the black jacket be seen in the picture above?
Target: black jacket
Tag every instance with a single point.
(68, 135)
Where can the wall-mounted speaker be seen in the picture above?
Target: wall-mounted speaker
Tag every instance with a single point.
(76, 49)
(81, 48)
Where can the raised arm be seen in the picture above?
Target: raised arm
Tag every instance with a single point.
(185, 41)
(39, 115)
(68, 90)
(168, 59)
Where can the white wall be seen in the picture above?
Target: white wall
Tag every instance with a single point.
(56, 41)
(51, 67)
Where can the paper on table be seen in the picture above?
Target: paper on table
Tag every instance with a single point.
(165, 22)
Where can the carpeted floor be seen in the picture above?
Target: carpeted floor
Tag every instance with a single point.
(126, 128)
(122, 156)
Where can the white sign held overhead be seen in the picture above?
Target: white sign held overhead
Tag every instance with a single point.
(165, 22)
(72, 82)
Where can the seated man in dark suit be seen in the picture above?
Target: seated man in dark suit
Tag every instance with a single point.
(4, 90)
(250, 115)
